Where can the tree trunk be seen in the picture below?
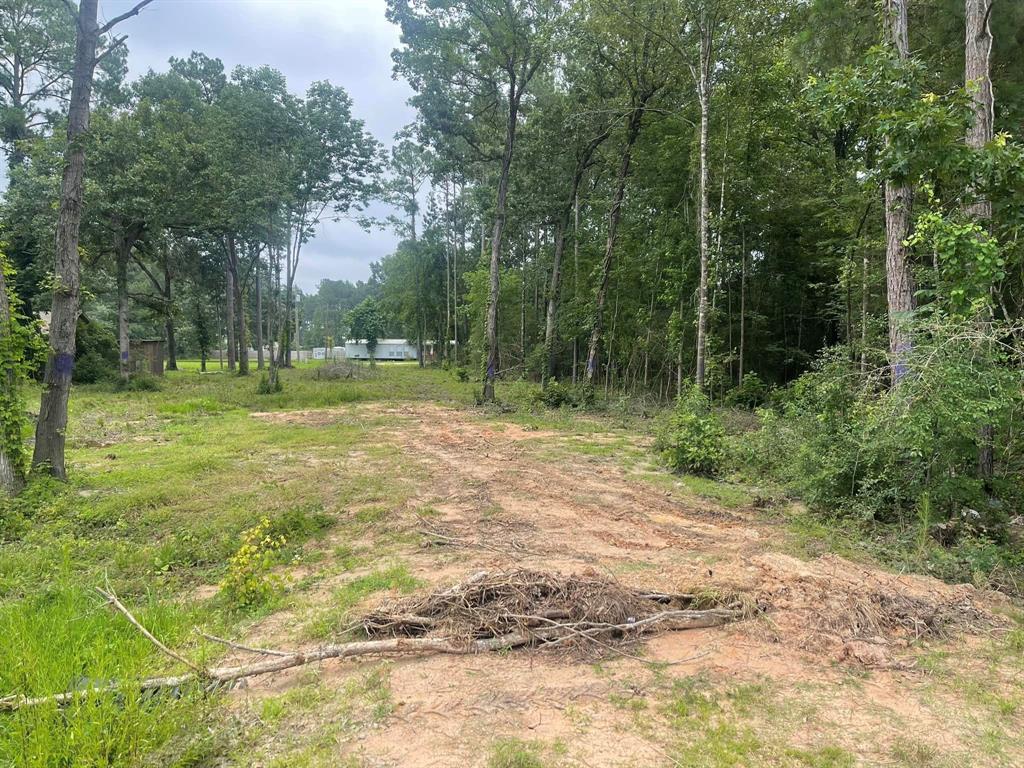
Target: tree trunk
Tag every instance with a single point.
(500, 213)
(979, 83)
(229, 308)
(614, 216)
(705, 211)
(51, 427)
(551, 316)
(172, 343)
(258, 321)
(239, 304)
(899, 198)
(11, 472)
(743, 305)
(123, 334)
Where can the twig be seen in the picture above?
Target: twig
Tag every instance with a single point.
(240, 647)
(111, 598)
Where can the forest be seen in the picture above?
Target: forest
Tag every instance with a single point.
(735, 289)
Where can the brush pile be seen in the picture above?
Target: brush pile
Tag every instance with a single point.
(549, 608)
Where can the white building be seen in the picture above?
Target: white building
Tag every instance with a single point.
(386, 349)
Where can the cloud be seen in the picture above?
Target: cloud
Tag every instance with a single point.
(348, 42)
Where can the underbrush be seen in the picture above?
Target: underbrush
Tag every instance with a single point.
(899, 467)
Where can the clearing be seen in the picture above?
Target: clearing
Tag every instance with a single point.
(408, 489)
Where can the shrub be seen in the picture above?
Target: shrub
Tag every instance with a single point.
(249, 580)
(556, 395)
(850, 445)
(266, 387)
(692, 438)
(138, 382)
(462, 374)
(96, 354)
(750, 393)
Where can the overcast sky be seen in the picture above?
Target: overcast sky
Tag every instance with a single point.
(348, 42)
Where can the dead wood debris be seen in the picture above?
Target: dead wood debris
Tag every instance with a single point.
(487, 612)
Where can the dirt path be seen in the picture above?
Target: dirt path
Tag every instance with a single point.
(832, 667)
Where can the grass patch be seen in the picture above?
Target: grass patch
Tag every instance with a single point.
(515, 753)
(330, 621)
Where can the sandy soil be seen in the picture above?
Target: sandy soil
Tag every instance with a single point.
(838, 642)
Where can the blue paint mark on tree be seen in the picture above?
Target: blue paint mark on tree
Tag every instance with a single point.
(64, 364)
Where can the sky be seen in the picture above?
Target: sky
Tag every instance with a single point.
(348, 42)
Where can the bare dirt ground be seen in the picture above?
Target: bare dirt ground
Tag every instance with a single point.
(845, 664)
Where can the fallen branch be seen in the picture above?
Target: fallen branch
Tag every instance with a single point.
(216, 677)
(484, 613)
(112, 600)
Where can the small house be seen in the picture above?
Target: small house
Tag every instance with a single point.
(386, 349)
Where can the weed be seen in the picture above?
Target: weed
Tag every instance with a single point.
(514, 753)
(249, 580)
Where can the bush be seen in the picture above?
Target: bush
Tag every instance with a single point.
(265, 387)
(750, 393)
(850, 445)
(96, 353)
(462, 374)
(138, 382)
(692, 438)
(556, 395)
(249, 580)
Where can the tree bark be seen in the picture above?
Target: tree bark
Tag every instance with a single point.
(229, 308)
(258, 321)
(704, 97)
(239, 306)
(500, 214)
(899, 198)
(172, 343)
(614, 216)
(124, 248)
(977, 65)
(53, 407)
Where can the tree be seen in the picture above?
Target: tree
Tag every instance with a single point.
(53, 408)
(471, 57)
(899, 198)
(37, 45)
(366, 323)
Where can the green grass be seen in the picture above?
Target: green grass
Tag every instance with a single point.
(162, 483)
(515, 753)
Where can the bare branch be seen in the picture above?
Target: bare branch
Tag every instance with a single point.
(126, 15)
(111, 598)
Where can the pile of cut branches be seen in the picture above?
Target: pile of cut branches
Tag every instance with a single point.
(548, 609)
(487, 612)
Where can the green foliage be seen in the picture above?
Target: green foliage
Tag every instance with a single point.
(14, 340)
(249, 580)
(96, 353)
(558, 395)
(268, 387)
(749, 393)
(366, 322)
(60, 638)
(691, 439)
(138, 382)
(849, 446)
